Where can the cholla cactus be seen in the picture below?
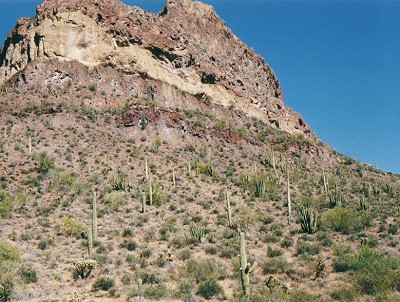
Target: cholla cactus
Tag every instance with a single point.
(84, 267)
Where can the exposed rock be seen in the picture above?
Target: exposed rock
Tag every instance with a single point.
(186, 50)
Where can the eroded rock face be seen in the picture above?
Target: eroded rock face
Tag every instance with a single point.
(186, 48)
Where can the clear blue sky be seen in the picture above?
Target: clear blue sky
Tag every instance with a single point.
(338, 62)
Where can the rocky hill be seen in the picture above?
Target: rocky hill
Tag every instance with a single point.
(156, 121)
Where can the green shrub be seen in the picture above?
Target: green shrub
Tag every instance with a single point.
(274, 252)
(346, 221)
(6, 286)
(184, 291)
(9, 252)
(130, 245)
(103, 283)
(200, 271)
(273, 266)
(28, 274)
(115, 201)
(287, 242)
(373, 272)
(72, 227)
(156, 292)
(6, 204)
(209, 288)
(308, 248)
(346, 293)
(44, 163)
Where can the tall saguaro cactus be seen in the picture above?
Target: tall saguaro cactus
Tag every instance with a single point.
(94, 216)
(245, 268)
(229, 209)
(90, 241)
(143, 202)
(30, 145)
(146, 168)
(289, 202)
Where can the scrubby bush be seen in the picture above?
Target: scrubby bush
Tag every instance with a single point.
(44, 163)
(273, 266)
(373, 272)
(9, 252)
(209, 288)
(346, 221)
(103, 283)
(200, 271)
(72, 227)
(115, 201)
(6, 204)
(28, 274)
(156, 292)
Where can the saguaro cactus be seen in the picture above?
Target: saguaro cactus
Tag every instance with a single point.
(150, 191)
(229, 209)
(146, 168)
(90, 241)
(30, 145)
(94, 216)
(144, 202)
(245, 268)
(288, 199)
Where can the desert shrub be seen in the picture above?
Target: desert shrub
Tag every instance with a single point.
(287, 242)
(184, 291)
(71, 226)
(156, 292)
(6, 204)
(209, 288)
(9, 252)
(185, 255)
(44, 163)
(271, 252)
(373, 272)
(103, 283)
(28, 274)
(345, 293)
(346, 221)
(130, 245)
(200, 271)
(308, 248)
(45, 243)
(115, 201)
(211, 250)
(302, 296)
(273, 266)
(148, 278)
(6, 286)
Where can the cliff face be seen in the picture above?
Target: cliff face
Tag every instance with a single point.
(182, 55)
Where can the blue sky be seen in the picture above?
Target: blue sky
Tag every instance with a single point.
(338, 62)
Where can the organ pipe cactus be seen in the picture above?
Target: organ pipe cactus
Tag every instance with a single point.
(245, 268)
(308, 220)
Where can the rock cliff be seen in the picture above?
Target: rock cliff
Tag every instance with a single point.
(183, 54)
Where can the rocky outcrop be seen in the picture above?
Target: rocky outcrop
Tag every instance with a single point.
(185, 47)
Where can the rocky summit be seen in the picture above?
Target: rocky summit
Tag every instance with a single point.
(183, 54)
(150, 157)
